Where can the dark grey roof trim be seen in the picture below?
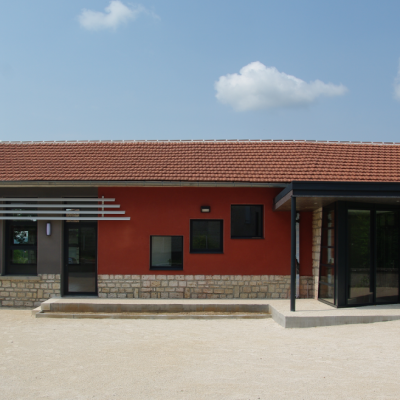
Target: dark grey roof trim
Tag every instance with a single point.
(338, 189)
(136, 183)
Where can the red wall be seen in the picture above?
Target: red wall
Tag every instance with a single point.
(124, 246)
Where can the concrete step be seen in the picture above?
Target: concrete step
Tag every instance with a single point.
(309, 313)
(106, 306)
(151, 309)
(155, 315)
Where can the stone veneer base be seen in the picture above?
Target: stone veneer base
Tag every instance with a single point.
(201, 286)
(31, 291)
(28, 291)
(316, 247)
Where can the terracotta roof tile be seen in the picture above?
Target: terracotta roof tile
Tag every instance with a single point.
(224, 161)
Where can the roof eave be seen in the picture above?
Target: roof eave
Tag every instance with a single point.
(66, 183)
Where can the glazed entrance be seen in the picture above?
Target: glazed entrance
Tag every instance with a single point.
(80, 273)
(373, 256)
(360, 257)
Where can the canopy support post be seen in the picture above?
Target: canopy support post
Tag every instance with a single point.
(293, 255)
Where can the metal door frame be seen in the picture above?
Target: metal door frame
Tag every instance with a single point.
(79, 225)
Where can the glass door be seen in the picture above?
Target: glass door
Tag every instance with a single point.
(359, 258)
(387, 256)
(80, 258)
(373, 256)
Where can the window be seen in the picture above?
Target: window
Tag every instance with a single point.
(21, 251)
(205, 236)
(246, 222)
(166, 252)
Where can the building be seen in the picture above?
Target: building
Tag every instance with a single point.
(200, 219)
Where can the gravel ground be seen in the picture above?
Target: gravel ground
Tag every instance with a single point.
(194, 359)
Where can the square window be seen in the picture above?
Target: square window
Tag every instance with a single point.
(206, 236)
(166, 252)
(246, 222)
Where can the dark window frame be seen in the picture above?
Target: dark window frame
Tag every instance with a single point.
(219, 251)
(373, 208)
(171, 268)
(78, 225)
(325, 246)
(9, 246)
(261, 218)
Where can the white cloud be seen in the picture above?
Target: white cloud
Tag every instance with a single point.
(397, 86)
(116, 13)
(259, 87)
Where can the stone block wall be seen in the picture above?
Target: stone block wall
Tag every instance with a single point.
(28, 291)
(316, 247)
(201, 286)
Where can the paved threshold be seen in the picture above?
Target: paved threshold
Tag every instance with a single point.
(309, 312)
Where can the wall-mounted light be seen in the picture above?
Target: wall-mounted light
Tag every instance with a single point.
(48, 229)
(205, 209)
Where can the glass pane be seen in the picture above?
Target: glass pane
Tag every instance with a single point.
(73, 255)
(359, 257)
(214, 235)
(328, 237)
(329, 219)
(166, 251)
(73, 236)
(326, 293)
(81, 279)
(88, 250)
(206, 235)
(327, 275)
(21, 269)
(387, 271)
(246, 221)
(23, 256)
(199, 232)
(328, 255)
(24, 235)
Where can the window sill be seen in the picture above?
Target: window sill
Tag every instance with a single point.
(19, 278)
(247, 237)
(206, 252)
(166, 268)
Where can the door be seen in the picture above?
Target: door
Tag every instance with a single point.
(387, 256)
(359, 260)
(80, 252)
(373, 256)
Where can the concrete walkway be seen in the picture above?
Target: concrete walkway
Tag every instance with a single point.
(310, 313)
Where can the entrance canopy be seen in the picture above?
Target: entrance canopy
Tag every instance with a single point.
(342, 282)
(312, 195)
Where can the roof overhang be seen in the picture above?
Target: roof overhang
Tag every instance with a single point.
(313, 195)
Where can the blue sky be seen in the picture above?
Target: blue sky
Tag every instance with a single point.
(199, 70)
